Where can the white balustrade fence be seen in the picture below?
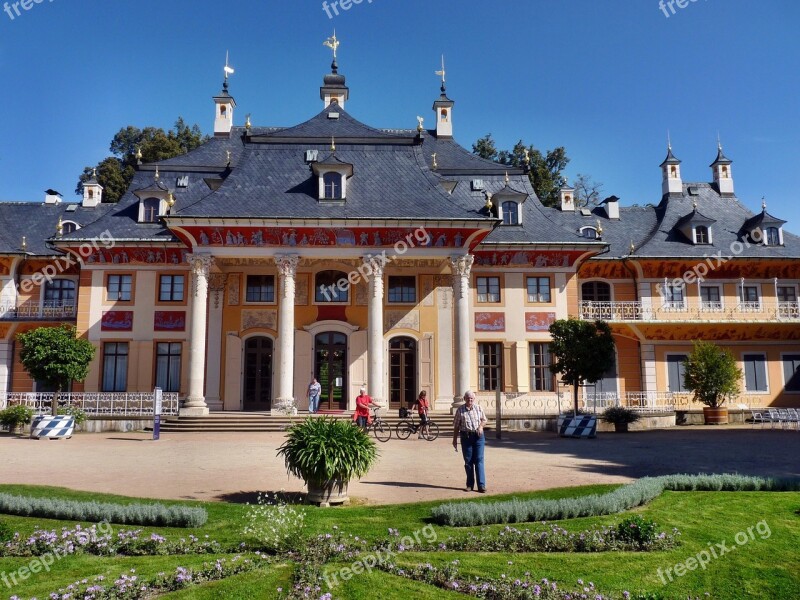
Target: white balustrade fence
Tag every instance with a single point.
(96, 404)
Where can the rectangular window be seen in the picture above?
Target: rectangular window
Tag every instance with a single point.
(170, 288)
(260, 288)
(490, 366)
(755, 373)
(791, 372)
(115, 367)
(168, 366)
(403, 289)
(538, 289)
(541, 376)
(119, 287)
(787, 293)
(488, 289)
(710, 297)
(673, 297)
(675, 372)
(749, 293)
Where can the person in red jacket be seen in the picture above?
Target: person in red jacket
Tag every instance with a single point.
(423, 406)
(362, 416)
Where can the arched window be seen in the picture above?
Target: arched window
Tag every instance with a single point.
(150, 210)
(444, 115)
(69, 226)
(773, 237)
(589, 233)
(510, 213)
(701, 235)
(331, 286)
(333, 186)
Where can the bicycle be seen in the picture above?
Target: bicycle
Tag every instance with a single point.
(382, 431)
(430, 431)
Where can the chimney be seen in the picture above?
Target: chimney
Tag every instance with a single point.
(612, 207)
(52, 197)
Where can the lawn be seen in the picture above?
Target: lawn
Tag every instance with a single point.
(764, 564)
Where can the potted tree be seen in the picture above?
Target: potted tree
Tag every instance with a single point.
(620, 416)
(327, 453)
(56, 357)
(581, 351)
(712, 375)
(16, 417)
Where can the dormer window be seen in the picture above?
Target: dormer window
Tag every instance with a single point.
(702, 235)
(332, 183)
(590, 233)
(150, 210)
(772, 236)
(510, 212)
(69, 227)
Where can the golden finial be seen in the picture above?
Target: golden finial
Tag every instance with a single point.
(631, 248)
(527, 156)
(763, 203)
(333, 43)
(507, 180)
(60, 227)
(435, 165)
(24, 244)
(247, 125)
(94, 173)
(489, 204)
(170, 199)
(420, 128)
(694, 204)
(139, 152)
(599, 228)
(333, 144)
(228, 157)
(157, 175)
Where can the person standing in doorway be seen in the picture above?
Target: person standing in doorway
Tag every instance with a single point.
(314, 390)
(468, 425)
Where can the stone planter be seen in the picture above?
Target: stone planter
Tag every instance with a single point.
(53, 428)
(325, 494)
(715, 416)
(621, 427)
(582, 426)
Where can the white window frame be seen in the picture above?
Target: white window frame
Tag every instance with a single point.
(502, 216)
(712, 305)
(673, 305)
(694, 235)
(749, 305)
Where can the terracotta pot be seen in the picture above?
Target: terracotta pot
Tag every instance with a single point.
(325, 494)
(716, 416)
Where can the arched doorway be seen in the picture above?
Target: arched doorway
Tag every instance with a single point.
(258, 374)
(402, 372)
(330, 367)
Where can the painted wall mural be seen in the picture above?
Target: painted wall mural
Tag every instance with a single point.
(526, 258)
(169, 320)
(400, 319)
(117, 320)
(146, 256)
(490, 321)
(539, 321)
(604, 270)
(266, 319)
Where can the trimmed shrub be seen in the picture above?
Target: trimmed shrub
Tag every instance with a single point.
(121, 514)
(469, 514)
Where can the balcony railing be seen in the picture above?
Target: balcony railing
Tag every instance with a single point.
(30, 311)
(95, 404)
(672, 311)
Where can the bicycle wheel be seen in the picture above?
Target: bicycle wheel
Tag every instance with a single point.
(403, 430)
(381, 432)
(431, 432)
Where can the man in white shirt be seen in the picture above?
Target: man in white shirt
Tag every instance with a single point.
(468, 424)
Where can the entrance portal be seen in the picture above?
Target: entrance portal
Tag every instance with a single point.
(258, 374)
(330, 367)
(402, 372)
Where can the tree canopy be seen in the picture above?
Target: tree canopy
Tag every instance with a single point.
(56, 357)
(711, 373)
(581, 351)
(116, 172)
(545, 169)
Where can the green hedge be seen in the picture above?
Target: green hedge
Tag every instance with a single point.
(97, 512)
(469, 514)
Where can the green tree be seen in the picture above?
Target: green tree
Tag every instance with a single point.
(116, 172)
(545, 170)
(711, 373)
(56, 357)
(581, 351)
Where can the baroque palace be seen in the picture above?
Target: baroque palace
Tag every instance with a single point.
(392, 259)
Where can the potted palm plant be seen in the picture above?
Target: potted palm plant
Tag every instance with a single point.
(620, 416)
(327, 453)
(712, 375)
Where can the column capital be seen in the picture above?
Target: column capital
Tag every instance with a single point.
(376, 264)
(200, 264)
(287, 264)
(462, 264)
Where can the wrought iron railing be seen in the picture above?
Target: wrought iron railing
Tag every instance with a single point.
(96, 404)
(50, 310)
(742, 311)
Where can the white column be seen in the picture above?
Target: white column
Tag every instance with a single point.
(214, 368)
(287, 269)
(195, 404)
(5, 366)
(375, 327)
(461, 266)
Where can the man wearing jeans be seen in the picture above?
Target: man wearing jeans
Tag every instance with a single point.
(468, 425)
(314, 390)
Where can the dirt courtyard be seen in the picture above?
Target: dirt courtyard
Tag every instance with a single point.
(225, 466)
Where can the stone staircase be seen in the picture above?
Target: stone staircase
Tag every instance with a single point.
(266, 422)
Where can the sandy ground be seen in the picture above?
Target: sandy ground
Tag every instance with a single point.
(233, 466)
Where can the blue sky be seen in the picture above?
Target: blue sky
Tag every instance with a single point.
(606, 79)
